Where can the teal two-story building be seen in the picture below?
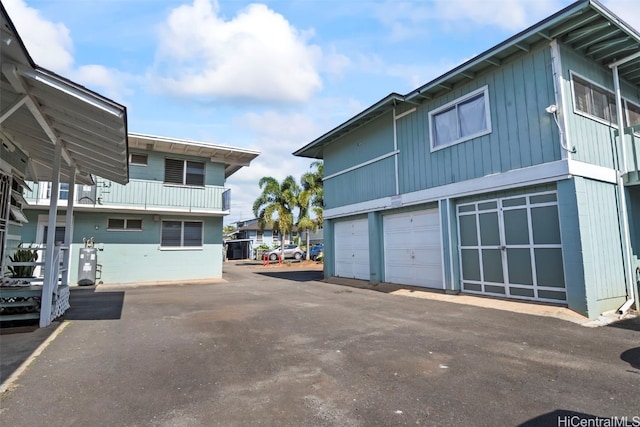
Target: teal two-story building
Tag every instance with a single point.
(506, 176)
(164, 225)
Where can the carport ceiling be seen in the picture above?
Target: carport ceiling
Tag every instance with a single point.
(40, 109)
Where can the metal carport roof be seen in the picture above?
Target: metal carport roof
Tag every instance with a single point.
(39, 109)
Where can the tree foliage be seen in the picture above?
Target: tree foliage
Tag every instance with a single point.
(275, 205)
(311, 200)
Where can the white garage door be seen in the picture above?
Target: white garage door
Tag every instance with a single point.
(352, 249)
(413, 248)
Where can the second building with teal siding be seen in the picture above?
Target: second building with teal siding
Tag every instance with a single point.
(164, 225)
(506, 176)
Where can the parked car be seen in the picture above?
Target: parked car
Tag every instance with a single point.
(315, 251)
(290, 251)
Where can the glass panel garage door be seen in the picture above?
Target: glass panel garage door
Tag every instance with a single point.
(511, 247)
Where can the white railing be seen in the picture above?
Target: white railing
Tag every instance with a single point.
(54, 290)
(142, 194)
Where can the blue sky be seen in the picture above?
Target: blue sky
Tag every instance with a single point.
(270, 76)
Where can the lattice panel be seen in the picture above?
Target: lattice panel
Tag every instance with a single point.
(61, 304)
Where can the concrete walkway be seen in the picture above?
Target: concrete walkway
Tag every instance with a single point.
(277, 346)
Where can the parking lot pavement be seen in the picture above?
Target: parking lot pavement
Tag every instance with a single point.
(279, 347)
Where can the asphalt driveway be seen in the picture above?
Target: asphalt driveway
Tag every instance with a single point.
(279, 347)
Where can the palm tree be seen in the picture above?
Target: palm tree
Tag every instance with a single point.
(274, 207)
(304, 220)
(311, 199)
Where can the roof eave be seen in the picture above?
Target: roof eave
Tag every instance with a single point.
(314, 148)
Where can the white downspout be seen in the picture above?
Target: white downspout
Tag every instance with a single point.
(395, 150)
(622, 169)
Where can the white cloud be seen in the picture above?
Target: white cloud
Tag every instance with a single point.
(112, 82)
(50, 46)
(293, 127)
(627, 10)
(514, 15)
(256, 55)
(410, 20)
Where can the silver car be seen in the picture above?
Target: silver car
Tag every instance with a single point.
(290, 251)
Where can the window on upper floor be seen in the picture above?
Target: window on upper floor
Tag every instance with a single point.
(63, 194)
(183, 172)
(596, 102)
(138, 159)
(179, 234)
(120, 224)
(632, 118)
(465, 118)
(593, 100)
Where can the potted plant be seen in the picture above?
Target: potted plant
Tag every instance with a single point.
(23, 254)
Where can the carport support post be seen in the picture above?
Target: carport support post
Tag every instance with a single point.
(68, 226)
(50, 273)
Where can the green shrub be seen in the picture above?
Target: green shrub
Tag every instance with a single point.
(23, 255)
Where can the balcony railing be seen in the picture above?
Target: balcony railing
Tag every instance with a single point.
(139, 194)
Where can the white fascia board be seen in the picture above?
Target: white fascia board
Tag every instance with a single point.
(595, 172)
(539, 174)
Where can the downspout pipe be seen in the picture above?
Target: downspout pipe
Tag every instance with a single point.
(622, 169)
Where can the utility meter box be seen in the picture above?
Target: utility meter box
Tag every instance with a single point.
(87, 266)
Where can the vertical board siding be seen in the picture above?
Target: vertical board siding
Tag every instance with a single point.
(633, 208)
(368, 142)
(522, 133)
(157, 195)
(572, 246)
(594, 140)
(366, 183)
(601, 243)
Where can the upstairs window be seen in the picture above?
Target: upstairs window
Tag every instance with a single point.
(183, 172)
(463, 119)
(594, 100)
(138, 159)
(632, 117)
(63, 194)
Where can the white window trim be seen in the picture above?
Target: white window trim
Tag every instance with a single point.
(131, 162)
(626, 112)
(613, 124)
(181, 248)
(485, 91)
(126, 221)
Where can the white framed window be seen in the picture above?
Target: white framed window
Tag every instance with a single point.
(138, 159)
(463, 119)
(122, 224)
(593, 100)
(632, 116)
(63, 194)
(599, 103)
(183, 172)
(181, 234)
